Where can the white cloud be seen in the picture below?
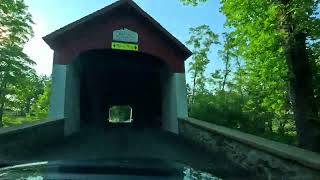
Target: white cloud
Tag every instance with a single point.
(38, 50)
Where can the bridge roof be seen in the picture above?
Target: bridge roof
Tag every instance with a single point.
(54, 37)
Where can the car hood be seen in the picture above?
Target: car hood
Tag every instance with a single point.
(103, 168)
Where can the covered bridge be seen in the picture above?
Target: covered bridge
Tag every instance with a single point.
(118, 55)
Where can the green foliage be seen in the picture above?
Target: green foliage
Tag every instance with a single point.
(20, 86)
(120, 113)
(222, 108)
(40, 108)
(226, 109)
(314, 57)
(192, 2)
(15, 22)
(251, 93)
(202, 38)
(264, 34)
(14, 120)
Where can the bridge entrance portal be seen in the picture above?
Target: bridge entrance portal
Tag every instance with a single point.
(109, 77)
(118, 55)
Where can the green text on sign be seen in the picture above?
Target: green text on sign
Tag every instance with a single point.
(125, 46)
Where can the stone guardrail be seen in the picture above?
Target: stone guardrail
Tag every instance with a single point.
(267, 159)
(27, 138)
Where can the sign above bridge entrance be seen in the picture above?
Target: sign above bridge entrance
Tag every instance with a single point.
(125, 35)
(125, 46)
(125, 39)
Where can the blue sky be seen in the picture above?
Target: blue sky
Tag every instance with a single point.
(50, 15)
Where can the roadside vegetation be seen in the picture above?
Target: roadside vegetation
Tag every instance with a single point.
(23, 93)
(269, 84)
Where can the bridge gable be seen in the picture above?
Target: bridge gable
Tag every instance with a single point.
(95, 31)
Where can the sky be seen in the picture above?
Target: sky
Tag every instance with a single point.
(50, 15)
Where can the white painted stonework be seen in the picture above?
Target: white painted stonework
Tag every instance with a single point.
(57, 98)
(174, 101)
(181, 94)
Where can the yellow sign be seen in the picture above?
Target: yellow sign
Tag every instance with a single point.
(125, 46)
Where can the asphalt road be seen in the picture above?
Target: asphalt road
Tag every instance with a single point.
(125, 142)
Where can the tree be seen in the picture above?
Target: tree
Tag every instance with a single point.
(202, 37)
(15, 22)
(28, 90)
(271, 38)
(40, 108)
(15, 30)
(227, 56)
(292, 22)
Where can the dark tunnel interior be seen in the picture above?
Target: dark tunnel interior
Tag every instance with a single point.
(109, 78)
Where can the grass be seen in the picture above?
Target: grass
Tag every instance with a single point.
(12, 120)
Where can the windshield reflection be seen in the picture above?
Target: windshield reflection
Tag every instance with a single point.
(36, 171)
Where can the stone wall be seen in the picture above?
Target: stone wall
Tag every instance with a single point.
(267, 159)
(29, 138)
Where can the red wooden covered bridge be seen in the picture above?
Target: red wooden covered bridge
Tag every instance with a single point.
(118, 55)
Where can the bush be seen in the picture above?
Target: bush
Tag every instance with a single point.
(227, 109)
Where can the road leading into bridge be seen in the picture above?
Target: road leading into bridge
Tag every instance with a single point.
(125, 142)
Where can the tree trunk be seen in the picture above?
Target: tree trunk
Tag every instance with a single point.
(1, 112)
(301, 92)
(300, 83)
(194, 87)
(3, 86)
(240, 82)
(226, 73)
(1, 108)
